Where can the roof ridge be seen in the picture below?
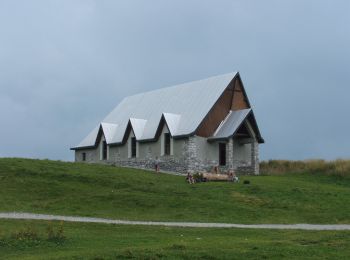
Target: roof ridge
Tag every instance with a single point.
(180, 84)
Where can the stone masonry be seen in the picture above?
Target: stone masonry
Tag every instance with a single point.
(188, 161)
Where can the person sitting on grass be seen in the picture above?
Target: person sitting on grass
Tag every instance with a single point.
(190, 178)
(232, 176)
(235, 177)
(216, 170)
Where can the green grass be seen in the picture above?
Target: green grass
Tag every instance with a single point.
(53, 187)
(101, 241)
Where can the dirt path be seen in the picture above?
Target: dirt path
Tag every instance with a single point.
(32, 216)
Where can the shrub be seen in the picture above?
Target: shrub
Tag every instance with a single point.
(24, 238)
(26, 234)
(246, 182)
(55, 236)
(29, 237)
(338, 167)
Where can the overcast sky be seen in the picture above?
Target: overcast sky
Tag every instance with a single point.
(64, 65)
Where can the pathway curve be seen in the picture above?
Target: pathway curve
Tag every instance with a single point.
(32, 216)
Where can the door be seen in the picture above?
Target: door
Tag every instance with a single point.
(222, 154)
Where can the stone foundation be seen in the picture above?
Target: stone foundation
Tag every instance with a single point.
(166, 163)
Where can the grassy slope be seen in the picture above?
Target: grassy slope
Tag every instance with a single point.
(105, 191)
(100, 241)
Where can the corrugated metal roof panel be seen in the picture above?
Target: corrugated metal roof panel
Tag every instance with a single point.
(189, 101)
(172, 121)
(90, 139)
(119, 135)
(231, 123)
(109, 131)
(138, 125)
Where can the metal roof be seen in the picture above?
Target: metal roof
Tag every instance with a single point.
(138, 126)
(109, 131)
(172, 121)
(183, 107)
(90, 139)
(231, 123)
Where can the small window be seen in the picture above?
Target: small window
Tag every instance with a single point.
(222, 154)
(167, 144)
(104, 150)
(133, 147)
(84, 157)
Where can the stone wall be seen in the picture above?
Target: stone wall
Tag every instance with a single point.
(203, 156)
(92, 155)
(148, 154)
(255, 158)
(194, 154)
(251, 168)
(166, 163)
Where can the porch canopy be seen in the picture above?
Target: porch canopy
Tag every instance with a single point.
(235, 124)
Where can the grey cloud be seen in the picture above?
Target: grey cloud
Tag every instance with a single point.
(65, 64)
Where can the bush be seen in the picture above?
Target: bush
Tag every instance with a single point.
(338, 167)
(29, 237)
(24, 238)
(26, 234)
(246, 182)
(58, 236)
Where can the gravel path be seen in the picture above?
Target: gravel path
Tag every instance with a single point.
(32, 216)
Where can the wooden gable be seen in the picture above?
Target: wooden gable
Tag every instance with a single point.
(239, 99)
(233, 98)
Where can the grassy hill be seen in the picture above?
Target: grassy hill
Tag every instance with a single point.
(53, 187)
(43, 186)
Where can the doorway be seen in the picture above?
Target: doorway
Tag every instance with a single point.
(222, 154)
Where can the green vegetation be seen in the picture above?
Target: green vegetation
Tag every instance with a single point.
(42, 186)
(101, 241)
(52, 187)
(337, 167)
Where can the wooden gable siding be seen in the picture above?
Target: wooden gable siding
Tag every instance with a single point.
(233, 98)
(218, 113)
(239, 100)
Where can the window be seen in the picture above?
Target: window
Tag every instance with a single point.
(104, 150)
(83, 157)
(166, 144)
(133, 147)
(222, 154)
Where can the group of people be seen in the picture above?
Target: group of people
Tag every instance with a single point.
(231, 176)
(190, 179)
